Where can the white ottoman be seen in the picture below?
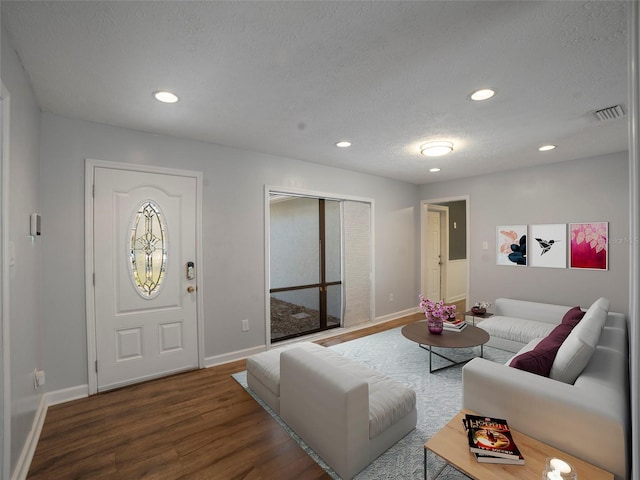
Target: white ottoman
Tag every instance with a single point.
(263, 372)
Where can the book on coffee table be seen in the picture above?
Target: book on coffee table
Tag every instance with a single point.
(490, 440)
(483, 458)
(454, 325)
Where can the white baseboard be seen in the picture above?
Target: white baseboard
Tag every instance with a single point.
(242, 354)
(457, 298)
(67, 395)
(232, 356)
(396, 315)
(30, 444)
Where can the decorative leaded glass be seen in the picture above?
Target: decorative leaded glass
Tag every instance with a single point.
(148, 254)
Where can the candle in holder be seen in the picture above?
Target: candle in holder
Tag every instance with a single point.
(558, 469)
(559, 465)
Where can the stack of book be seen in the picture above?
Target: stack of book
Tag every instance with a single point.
(490, 440)
(456, 325)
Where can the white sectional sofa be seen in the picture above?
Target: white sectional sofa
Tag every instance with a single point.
(348, 413)
(582, 407)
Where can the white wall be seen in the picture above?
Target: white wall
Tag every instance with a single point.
(233, 231)
(591, 189)
(25, 276)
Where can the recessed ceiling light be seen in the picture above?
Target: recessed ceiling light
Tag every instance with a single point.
(165, 97)
(343, 144)
(434, 170)
(436, 149)
(483, 94)
(546, 148)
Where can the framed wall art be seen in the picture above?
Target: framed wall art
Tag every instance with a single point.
(589, 245)
(511, 245)
(548, 245)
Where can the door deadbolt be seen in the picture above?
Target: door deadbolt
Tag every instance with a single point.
(191, 274)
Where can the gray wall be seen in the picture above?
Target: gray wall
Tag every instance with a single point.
(457, 229)
(233, 232)
(591, 189)
(25, 277)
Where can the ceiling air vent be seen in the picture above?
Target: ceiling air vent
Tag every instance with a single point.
(609, 113)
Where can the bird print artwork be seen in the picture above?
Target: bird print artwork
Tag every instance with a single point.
(545, 245)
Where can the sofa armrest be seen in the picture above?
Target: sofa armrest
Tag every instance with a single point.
(556, 413)
(328, 408)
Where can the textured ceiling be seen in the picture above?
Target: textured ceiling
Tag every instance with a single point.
(292, 78)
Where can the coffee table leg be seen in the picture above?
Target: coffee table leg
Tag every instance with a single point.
(425, 463)
(453, 362)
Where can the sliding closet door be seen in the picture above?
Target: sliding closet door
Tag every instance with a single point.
(357, 262)
(305, 268)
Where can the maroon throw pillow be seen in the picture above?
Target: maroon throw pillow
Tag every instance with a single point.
(573, 316)
(540, 359)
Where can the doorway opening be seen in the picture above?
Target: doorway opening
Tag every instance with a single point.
(444, 250)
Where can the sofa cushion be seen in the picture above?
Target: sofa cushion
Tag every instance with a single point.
(516, 329)
(575, 352)
(573, 316)
(541, 357)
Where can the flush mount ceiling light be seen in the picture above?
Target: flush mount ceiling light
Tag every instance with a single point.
(436, 149)
(546, 148)
(434, 170)
(343, 144)
(483, 94)
(165, 97)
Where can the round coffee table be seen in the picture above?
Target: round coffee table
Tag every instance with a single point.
(471, 336)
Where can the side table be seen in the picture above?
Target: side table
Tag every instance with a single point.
(451, 444)
(481, 316)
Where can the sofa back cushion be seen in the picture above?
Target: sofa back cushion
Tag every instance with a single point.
(540, 359)
(540, 312)
(573, 316)
(575, 352)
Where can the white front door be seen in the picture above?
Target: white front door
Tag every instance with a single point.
(434, 258)
(144, 254)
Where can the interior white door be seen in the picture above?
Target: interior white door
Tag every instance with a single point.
(434, 261)
(145, 292)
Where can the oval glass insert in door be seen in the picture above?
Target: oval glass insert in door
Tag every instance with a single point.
(148, 250)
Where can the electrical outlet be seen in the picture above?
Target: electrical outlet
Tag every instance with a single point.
(38, 378)
(391, 297)
(245, 325)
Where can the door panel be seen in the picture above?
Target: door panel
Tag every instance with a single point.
(433, 255)
(147, 327)
(305, 260)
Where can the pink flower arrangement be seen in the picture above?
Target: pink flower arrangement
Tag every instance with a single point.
(437, 310)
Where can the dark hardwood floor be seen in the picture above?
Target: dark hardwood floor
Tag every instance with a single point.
(196, 425)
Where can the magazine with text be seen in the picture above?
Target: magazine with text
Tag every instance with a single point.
(490, 436)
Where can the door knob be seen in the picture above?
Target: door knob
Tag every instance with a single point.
(191, 289)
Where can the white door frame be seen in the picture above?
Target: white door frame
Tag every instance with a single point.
(90, 167)
(5, 418)
(424, 207)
